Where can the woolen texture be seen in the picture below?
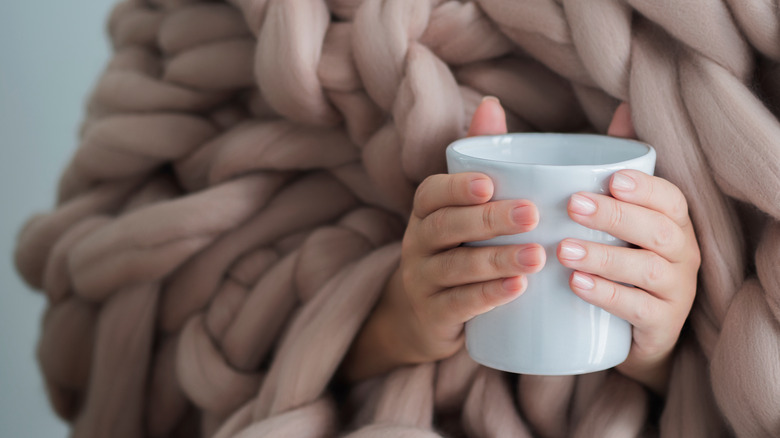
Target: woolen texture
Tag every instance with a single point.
(246, 169)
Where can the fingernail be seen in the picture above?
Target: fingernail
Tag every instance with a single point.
(522, 215)
(512, 283)
(528, 256)
(480, 187)
(582, 205)
(572, 251)
(623, 182)
(582, 281)
(490, 98)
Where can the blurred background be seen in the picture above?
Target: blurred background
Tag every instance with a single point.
(50, 55)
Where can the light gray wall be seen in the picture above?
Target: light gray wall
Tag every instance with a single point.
(50, 55)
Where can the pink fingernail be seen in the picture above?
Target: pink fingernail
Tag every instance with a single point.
(623, 182)
(480, 187)
(512, 283)
(520, 215)
(528, 257)
(572, 251)
(582, 281)
(582, 205)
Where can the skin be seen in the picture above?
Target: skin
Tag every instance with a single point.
(440, 285)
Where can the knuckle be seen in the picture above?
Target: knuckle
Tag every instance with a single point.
(437, 224)
(408, 278)
(495, 259)
(422, 190)
(452, 188)
(616, 215)
(606, 260)
(409, 243)
(643, 313)
(664, 235)
(696, 257)
(655, 271)
(689, 291)
(649, 192)
(612, 295)
(484, 297)
(489, 221)
(427, 183)
(448, 264)
(679, 209)
(455, 305)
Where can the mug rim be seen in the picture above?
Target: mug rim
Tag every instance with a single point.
(452, 149)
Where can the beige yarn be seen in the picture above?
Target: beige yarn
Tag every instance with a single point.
(246, 169)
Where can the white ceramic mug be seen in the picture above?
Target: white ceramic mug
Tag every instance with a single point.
(549, 330)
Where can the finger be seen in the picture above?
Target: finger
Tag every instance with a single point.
(460, 304)
(651, 192)
(639, 267)
(621, 125)
(641, 226)
(449, 227)
(488, 119)
(466, 265)
(634, 305)
(442, 190)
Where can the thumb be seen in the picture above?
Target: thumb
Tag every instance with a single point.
(488, 119)
(621, 125)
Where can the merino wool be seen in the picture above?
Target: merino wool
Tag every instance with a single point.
(246, 169)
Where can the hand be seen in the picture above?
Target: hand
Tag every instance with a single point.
(439, 284)
(652, 214)
(444, 284)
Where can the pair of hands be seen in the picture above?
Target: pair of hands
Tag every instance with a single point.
(440, 285)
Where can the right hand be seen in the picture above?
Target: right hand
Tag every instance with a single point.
(440, 284)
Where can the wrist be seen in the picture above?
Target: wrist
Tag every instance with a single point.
(394, 328)
(378, 347)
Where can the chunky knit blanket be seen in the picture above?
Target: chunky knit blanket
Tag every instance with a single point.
(246, 168)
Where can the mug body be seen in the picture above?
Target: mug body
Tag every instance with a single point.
(549, 330)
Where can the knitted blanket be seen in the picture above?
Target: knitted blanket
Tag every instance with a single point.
(246, 169)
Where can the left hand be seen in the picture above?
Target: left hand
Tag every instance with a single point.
(651, 213)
